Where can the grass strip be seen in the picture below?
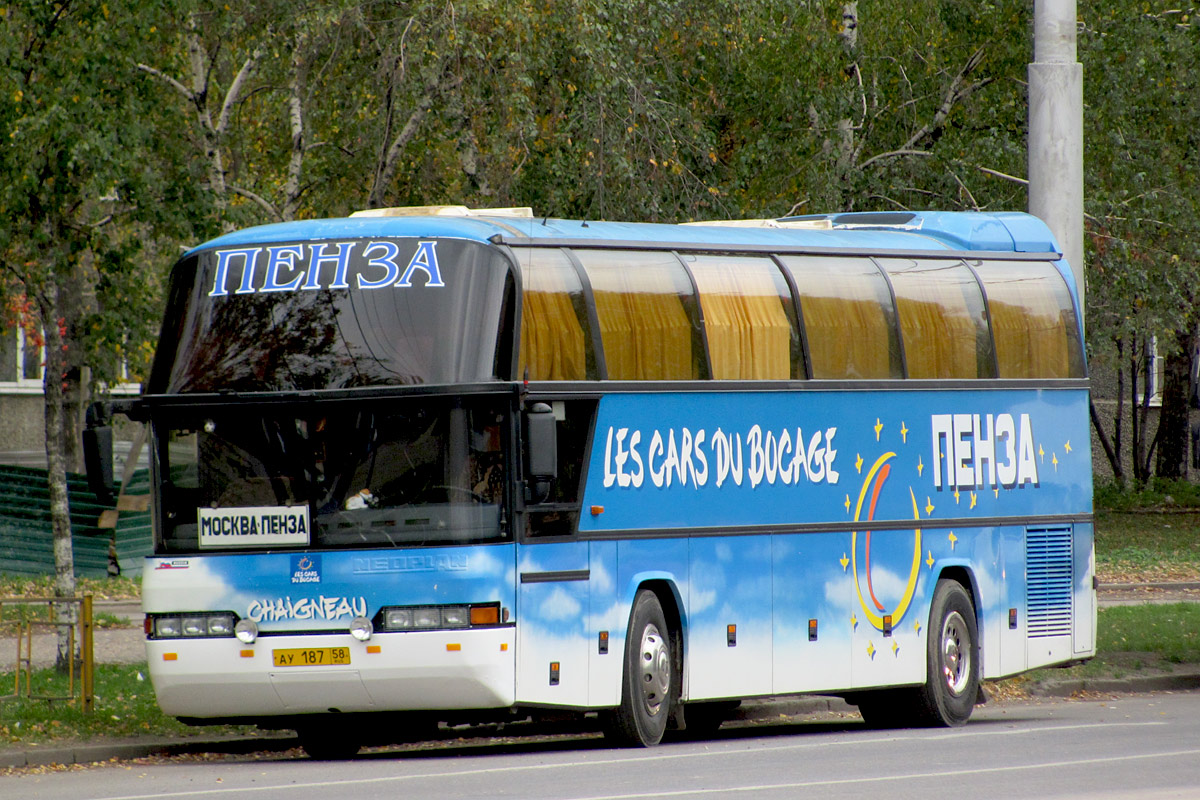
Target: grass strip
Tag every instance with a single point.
(124, 707)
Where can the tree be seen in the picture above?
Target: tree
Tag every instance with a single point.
(72, 185)
(1142, 68)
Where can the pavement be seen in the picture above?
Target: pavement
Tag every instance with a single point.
(125, 645)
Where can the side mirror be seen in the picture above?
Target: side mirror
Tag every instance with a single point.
(98, 451)
(541, 451)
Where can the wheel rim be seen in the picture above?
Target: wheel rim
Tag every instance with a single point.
(655, 661)
(956, 653)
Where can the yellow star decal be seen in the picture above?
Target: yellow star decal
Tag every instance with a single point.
(895, 647)
(858, 462)
(1067, 446)
(928, 506)
(1041, 453)
(847, 504)
(996, 492)
(917, 628)
(1054, 461)
(920, 467)
(878, 428)
(853, 622)
(929, 559)
(956, 497)
(974, 500)
(844, 562)
(871, 650)
(904, 432)
(953, 540)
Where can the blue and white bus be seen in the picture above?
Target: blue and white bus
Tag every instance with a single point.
(462, 464)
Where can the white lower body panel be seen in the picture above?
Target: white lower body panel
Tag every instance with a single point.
(207, 678)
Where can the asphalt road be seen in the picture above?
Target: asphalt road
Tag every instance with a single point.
(1140, 746)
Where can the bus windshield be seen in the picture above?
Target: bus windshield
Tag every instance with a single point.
(331, 315)
(413, 472)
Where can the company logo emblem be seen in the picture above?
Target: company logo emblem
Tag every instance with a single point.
(306, 568)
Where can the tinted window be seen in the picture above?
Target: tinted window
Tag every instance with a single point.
(848, 318)
(942, 319)
(1033, 320)
(406, 472)
(748, 318)
(332, 314)
(649, 323)
(556, 342)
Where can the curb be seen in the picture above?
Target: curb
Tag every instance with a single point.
(1135, 684)
(89, 753)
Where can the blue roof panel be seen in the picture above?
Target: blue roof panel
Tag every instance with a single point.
(938, 230)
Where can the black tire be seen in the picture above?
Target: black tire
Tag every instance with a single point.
(704, 718)
(647, 687)
(952, 659)
(886, 708)
(329, 743)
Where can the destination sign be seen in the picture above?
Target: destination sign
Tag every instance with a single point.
(256, 526)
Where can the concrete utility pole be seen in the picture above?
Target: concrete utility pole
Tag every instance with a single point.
(1056, 129)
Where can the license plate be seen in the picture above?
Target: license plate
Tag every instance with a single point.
(310, 656)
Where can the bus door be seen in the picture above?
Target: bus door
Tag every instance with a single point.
(554, 576)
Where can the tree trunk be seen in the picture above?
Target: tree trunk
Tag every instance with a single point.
(60, 512)
(1173, 418)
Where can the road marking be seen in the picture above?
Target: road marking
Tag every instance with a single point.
(227, 790)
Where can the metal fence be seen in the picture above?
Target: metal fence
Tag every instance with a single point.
(36, 620)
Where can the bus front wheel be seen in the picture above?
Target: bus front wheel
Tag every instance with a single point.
(328, 742)
(646, 688)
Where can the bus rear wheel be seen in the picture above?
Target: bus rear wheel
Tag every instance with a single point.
(951, 686)
(646, 688)
(952, 682)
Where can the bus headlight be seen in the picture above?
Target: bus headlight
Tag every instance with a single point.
(246, 631)
(191, 625)
(397, 619)
(435, 618)
(165, 628)
(361, 628)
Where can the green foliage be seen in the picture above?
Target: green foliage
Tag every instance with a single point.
(1159, 493)
(113, 588)
(124, 707)
(1171, 632)
(1139, 545)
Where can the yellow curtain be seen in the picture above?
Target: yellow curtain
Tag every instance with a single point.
(1033, 320)
(941, 319)
(644, 325)
(553, 339)
(848, 318)
(749, 333)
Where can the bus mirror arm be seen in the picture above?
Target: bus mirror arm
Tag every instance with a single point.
(541, 452)
(98, 450)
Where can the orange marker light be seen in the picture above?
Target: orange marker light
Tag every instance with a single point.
(246, 653)
(485, 615)
(453, 648)
(170, 656)
(597, 510)
(374, 648)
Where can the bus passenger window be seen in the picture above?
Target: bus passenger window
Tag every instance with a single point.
(1037, 334)
(848, 319)
(942, 319)
(748, 318)
(649, 323)
(556, 342)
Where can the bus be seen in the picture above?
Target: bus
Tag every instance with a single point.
(424, 466)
